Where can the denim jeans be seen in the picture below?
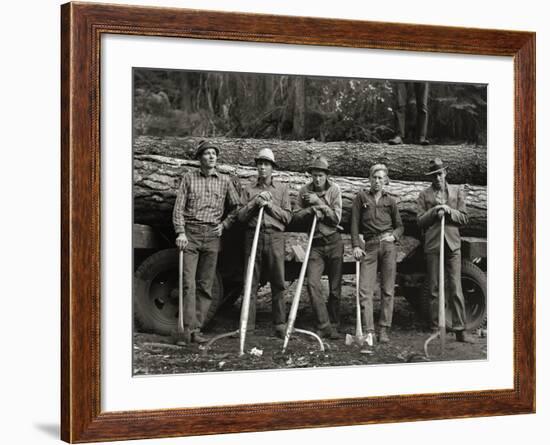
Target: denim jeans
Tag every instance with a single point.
(199, 270)
(325, 255)
(270, 256)
(383, 253)
(453, 286)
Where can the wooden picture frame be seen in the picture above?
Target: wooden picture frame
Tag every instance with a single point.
(82, 26)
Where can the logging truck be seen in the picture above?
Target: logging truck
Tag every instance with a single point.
(159, 164)
(156, 276)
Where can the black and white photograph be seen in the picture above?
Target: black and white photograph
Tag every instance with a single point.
(284, 221)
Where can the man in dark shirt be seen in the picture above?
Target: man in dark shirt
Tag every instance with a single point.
(197, 218)
(274, 197)
(324, 199)
(442, 198)
(374, 214)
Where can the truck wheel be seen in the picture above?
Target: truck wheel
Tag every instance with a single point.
(474, 288)
(156, 293)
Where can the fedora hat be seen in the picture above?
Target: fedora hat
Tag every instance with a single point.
(436, 165)
(204, 145)
(267, 155)
(319, 163)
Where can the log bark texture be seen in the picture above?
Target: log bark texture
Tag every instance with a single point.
(467, 163)
(156, 179)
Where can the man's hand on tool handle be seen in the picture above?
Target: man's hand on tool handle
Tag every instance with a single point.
(260, 202)
(358, 253)
(311, 199)
(318, 212)
(182, 241)
(442, 209)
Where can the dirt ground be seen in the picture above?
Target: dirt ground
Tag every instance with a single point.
(155, 354)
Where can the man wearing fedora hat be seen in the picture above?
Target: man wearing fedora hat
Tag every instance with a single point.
(202, 197)
(438, 200)
(375, 215)
(323, 198)
(265, 192)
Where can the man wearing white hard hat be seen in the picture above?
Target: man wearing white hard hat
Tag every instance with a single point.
(265, 192)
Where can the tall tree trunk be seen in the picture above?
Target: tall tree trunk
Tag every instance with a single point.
(299, 118)
(186, 103)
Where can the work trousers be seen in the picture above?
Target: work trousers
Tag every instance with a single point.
(454, 298)
(199, 270)
(383, 254)
(326, 255)
(270, 256)
(420, 91)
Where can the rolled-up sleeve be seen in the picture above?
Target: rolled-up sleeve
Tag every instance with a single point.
(178, 218)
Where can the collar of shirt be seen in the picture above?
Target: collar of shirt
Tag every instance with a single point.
(260, 182)
(213, 173)
(371, 192)
(311, 188)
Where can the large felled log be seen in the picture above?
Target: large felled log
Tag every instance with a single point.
(157, 179)
(467, 163)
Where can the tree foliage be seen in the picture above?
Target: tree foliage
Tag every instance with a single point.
(192, 103)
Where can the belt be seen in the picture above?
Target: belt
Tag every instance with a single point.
(378, 237)
(328, 239)
(264, 230)
(198, 228)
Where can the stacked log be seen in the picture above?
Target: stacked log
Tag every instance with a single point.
(156, 180)
(467, 163)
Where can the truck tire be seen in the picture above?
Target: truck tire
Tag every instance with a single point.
(156, 293)
(474, 288)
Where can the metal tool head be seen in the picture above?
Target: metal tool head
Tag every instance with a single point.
(358, 340)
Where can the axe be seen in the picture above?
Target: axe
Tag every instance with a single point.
(359, 337)
(441, 332)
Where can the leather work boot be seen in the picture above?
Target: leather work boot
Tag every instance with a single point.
(383, 336)
(423, 141)
(464, 337)
(279, 331)
(396, 141)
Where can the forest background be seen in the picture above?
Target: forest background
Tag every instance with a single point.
(269, 106)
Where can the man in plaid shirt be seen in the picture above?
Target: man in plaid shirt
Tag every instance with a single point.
(202, 197)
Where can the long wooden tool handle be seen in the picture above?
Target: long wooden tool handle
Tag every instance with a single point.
(442, 323)
(180, 292)
(359, 324)
(248, 283)
(296, 299)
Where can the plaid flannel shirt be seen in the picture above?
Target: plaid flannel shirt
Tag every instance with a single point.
(201, 199)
